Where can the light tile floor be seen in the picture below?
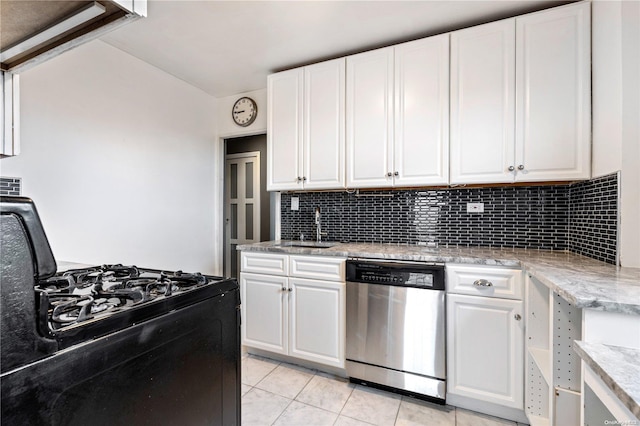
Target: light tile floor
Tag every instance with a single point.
(277, 393)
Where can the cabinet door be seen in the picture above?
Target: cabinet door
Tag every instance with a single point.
(284, 130)
(485, 349)
(553, 86)
(483, 103)
(323, 147)
(421, 142)
(264, 312)
(369, 119)
(317, 321)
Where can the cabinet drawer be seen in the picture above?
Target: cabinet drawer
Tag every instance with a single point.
(265, 263)
(318, 267)
(498, 282)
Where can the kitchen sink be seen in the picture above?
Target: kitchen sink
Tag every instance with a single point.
(308, 244)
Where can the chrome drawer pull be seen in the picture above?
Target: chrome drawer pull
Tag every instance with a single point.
(482, 283)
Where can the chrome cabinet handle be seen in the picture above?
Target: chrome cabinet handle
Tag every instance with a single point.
(521, 167)
(290, 289)
(389, 174)
(511, 168)
(482, 283)
(284, 289)
(517, 317)
(298, 178)
(396, 174)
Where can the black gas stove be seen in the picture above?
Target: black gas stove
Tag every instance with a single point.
(111, 344)
(82, 304)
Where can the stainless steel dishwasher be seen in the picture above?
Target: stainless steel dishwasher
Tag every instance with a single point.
(396, 326)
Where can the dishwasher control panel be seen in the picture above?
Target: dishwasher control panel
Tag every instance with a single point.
(408, 274)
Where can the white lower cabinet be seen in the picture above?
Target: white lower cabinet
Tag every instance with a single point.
(485, 340)
(297, 316)
(485, 349)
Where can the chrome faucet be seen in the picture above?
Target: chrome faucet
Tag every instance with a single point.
(319, 232)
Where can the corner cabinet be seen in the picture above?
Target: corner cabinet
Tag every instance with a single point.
(485, 340)
(397, 115)
(305, 134)
(294, 306)
(521, 98)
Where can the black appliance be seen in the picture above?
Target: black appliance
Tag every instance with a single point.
(111, 344)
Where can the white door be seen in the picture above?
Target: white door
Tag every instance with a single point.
(264, 312)
(553, 86)
(242, 205)
(483, 103)
(485, 340)
(369, 119)
(317, 317)
(284, 130)
(421, 143)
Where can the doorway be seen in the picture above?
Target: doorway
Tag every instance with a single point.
(247, 204)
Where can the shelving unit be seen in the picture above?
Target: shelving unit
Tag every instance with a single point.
(553, 368)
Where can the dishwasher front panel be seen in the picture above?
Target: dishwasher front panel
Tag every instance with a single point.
(398, 328)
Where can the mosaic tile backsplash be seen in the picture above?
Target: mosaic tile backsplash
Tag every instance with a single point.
(10, 186)
(593, 218)
(535, 217)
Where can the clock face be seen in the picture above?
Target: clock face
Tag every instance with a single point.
(244, 111)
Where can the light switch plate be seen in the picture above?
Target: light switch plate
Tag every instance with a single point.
(295, 203)
(475, 207)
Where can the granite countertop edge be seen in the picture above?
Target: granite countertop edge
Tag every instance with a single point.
(582, 281)
(612, 364)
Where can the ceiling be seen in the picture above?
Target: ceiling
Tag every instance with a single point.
(229, 47)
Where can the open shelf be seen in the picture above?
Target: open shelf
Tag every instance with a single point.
(542, 359)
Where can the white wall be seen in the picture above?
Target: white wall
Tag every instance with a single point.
(227, 128)
(616, 111)
(119, 158)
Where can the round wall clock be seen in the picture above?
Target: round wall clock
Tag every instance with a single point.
(244, 111)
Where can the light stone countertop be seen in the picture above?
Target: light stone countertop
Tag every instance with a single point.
(582, 281)
(619, 369)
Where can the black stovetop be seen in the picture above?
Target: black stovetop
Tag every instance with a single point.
(82, 304)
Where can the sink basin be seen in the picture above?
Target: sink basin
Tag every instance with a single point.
(307, 244)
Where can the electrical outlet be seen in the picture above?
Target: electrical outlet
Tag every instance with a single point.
(295, 203)
(475, 207)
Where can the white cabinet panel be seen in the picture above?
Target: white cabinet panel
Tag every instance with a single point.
(553, 86)
(324, 139)
(487, 281)
(264, 312)
(264, 263)
(284, 130)
(318, 267)
(483, 103)
(317, 313)
(421, 154)
(369, 118)
(485, 338)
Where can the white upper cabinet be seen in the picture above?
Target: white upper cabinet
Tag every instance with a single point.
(421, 142)
(305, 133)
(284, 130)
(323, 146)
(397, 115)
(520, 98)
(553, 88)
(483, 103)
(370, 119)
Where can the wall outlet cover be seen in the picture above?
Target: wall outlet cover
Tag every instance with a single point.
(295, 203)
(475, 207)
